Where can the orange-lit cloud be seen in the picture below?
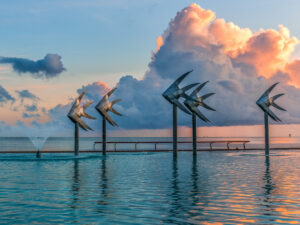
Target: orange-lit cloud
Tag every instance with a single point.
(267, 51)
(159, 42)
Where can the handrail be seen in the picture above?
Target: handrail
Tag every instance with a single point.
(169, 142)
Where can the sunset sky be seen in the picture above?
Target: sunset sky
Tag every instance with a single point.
(51, 50)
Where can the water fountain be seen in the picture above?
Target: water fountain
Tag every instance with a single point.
(38, 143)
(38, 135)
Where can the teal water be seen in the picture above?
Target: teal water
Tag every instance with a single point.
(151, 188)
(86, 143)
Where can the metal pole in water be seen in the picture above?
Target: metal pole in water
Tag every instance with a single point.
(194, 134)
(76, 144)
(103, 135)
(266, 134)
(38, 154)
(174, 130)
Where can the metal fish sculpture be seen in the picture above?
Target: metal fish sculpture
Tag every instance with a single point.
(264, 102)
(194, 101)
(105, 105)
(173, 93)
(77, 111)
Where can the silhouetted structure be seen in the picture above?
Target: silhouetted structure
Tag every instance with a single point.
(172, 94)
(103, 107)
(192, 104)
(76, 112)
(264, 102)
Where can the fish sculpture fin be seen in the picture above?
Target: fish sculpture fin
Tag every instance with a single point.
(277, 96)
(115, 112)
(184, 89)
(88, 116)
(277, 106)
(81, 95)
(109, 119)
(111, 91)
(268, 91)
(115, 101)
(180, 79)
(86, 105)
(271, 114)
(179, 105)
(207, 107)
(82, 124)
(200, 115)
(195, 92)
(206, 96)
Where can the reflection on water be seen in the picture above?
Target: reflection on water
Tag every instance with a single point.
(212, 188)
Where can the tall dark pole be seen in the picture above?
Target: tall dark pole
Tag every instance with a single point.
(174, 130)
(266, 134)
(194, 134)
(103, 135)
(76, 144)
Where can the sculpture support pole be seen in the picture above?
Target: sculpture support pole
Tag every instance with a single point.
(174, 130)
(103, 135)
(266, 133)
(76, 144)
(194, 134)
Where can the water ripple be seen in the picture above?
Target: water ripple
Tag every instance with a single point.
(215, 188)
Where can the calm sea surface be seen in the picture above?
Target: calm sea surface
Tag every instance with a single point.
(86, 143)
(236, 187)
(151, 188)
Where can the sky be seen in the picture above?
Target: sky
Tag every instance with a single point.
(52, 49)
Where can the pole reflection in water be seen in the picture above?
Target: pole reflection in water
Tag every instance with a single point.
(188, 198)
(195, 189)
(175, 206)
(268, 187)
(103, 186)
(75, 188)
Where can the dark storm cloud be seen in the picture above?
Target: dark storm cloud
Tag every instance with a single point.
(48, 67)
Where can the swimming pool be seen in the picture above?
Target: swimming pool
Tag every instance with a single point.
(151, 188)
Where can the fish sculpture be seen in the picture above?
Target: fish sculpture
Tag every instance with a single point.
(105, 105)
(173, 93)
(264, 102)
(194, 101)
(77, 111)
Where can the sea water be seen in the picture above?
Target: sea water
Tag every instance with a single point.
(152, 188)
(87, 143)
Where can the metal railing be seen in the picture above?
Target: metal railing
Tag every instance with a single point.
(136, 143)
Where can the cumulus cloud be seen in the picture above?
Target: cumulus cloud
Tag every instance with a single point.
(31, 108)
(26, 94)
(48, 67)
(239, 63)
(5, 96)
(31, 115)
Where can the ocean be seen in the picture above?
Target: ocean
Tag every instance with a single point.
(233, 187)
(87, 143)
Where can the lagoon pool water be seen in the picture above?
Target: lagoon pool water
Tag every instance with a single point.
(151, 188)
